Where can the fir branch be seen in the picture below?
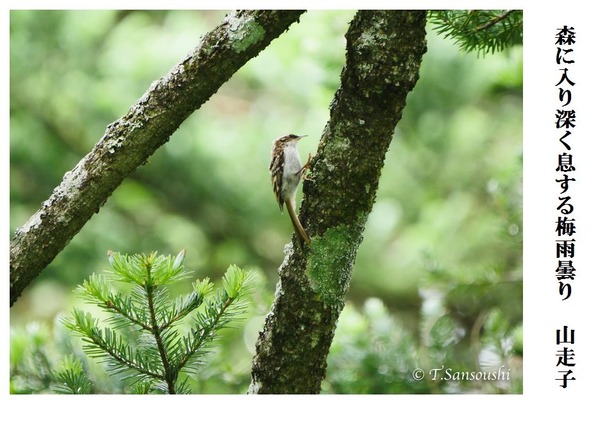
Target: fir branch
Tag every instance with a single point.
(207, 324)
(483, 31)
(493, 21)
(182, 307)
(218, 313)
(108, 345)
(154, 351)
(71, 378)
(170, 376)
(124, 312)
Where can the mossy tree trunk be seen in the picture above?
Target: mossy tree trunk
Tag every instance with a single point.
(384, 52)
(132, 139)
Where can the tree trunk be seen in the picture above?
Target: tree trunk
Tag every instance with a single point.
(384, 52)
(131, 140)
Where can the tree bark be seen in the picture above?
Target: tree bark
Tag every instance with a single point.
(383, 58)
(131, 140)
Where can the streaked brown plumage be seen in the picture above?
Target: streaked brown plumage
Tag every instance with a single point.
(286, 172)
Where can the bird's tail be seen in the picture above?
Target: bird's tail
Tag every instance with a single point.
(296, 223)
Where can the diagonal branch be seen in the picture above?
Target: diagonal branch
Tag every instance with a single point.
(132, 139)
(493, 21)
(384, 52)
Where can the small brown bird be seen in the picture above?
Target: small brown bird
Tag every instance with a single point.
(286, 172)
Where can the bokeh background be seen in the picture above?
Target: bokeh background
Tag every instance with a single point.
(438, 278)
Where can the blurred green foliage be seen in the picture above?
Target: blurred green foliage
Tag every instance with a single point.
(438, 278)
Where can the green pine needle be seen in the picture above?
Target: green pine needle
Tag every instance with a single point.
(145, 340)
(482, 31)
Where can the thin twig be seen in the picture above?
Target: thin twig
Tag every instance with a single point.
(492, 22)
